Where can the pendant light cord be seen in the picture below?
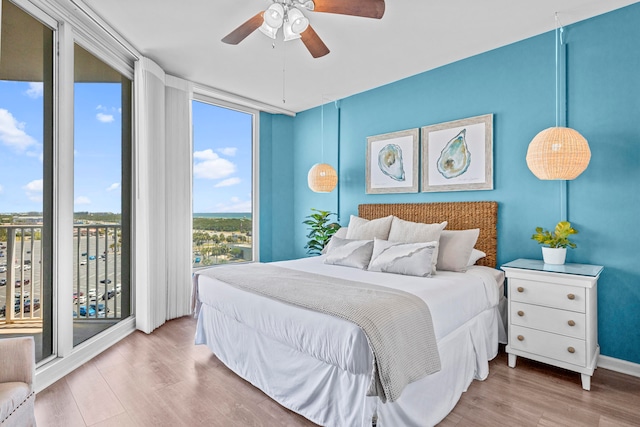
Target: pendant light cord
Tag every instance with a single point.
(560, 118)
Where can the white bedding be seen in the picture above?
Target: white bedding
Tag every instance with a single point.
(265, 341)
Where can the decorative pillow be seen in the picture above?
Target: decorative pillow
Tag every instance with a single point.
(411, 259)
(455, 249)
(364, 229)
(341, 233)
(416, 232)
(475, 256)
(349, 253)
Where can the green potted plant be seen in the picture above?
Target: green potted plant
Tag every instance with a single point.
(321, 230)
(555, 244)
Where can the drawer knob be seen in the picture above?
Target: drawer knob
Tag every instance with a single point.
(520, 313)
(571, 350)
(520, 338)
(520, 289)
(571, 296)
(571, 323)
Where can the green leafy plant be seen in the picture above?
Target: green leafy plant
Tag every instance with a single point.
(321, 230)
(559, 238)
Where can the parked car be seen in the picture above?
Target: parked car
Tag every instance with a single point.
(80, 299)
(92, 257)
(107, 281)
(110, 294)
(3, 269)
(27, 305)
(3, 282)
(27, 261)
(83, 262)
(92, 310)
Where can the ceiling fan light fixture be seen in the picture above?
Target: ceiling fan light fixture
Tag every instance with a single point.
(268, 31)
(288, 33)
(297, 20)
(274, 15)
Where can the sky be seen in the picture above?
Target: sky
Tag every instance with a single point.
(221, 159)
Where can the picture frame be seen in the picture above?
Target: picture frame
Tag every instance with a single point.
(392, 162)
(458, 155)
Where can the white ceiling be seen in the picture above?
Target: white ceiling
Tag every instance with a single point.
(413, 36)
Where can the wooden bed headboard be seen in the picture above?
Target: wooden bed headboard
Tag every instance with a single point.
(460, 216)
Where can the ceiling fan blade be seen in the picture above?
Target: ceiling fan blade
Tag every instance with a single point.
(240, 33)
(313, 42)
(364, 8)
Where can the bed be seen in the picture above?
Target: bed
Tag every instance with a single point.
(320, 366)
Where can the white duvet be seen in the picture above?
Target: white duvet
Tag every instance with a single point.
(289, 332)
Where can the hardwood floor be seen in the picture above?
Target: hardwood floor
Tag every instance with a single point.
(163, 379)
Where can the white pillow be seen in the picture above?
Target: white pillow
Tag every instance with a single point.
(475, 256)
(455, 249)
(364, 229)
(416, 232)
(411, 259)
(341, 234)
(349, 253)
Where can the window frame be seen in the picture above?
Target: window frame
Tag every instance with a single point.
(200, 94)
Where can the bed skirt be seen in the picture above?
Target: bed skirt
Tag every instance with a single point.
(331, 396)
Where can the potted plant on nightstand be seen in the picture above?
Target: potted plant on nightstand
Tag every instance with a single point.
(555, 244)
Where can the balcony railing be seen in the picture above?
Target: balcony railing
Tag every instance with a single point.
(97, 273)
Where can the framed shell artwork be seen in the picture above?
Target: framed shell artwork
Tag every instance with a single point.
(458, 155)
(392, 162)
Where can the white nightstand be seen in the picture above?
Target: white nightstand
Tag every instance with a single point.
(553, 314)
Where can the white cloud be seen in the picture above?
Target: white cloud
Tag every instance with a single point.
(12, 132)
(82, 200)
(104, 118)
(208, 165)
(33, 190)
(235, 205)
(228, 182)
(113, 186)
(34, 186)
(228, 151)
(35, 90)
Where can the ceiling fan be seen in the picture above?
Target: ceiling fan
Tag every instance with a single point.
(288, 15)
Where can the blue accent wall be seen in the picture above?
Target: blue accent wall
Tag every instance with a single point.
(517, 84)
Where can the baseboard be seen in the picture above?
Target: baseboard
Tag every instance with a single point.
(61, 366)
(619, 365)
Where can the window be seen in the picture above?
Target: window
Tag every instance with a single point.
(223, 212)
(102, 141)
(26, 141)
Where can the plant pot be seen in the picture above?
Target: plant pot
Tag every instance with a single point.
(554, 255)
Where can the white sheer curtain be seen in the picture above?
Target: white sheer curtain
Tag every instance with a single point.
(149, 205)
(178, 95)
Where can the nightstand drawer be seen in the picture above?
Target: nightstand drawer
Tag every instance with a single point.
(563, 322)
(547, 294)
(558, 347)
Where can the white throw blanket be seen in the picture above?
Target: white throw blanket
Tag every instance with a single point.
(397, 324)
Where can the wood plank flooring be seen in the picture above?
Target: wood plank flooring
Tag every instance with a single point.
(163, 379)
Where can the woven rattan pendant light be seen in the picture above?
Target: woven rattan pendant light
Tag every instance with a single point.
(322, 178)
(558, 152)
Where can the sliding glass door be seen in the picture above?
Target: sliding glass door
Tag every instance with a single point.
(102, 173)
(26, 187)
